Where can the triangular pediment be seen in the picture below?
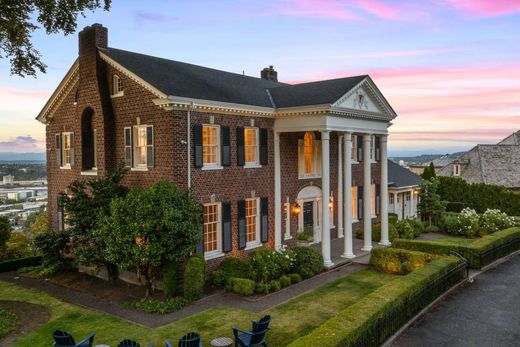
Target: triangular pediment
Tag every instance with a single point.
(365, 97)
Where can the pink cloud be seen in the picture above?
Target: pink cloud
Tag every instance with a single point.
(38, 94)
(486, 8)
(378, 8)
(316, 8)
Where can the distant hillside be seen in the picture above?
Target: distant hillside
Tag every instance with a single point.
(425, 158)
(22, 157)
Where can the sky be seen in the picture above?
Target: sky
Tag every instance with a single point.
(450, 68)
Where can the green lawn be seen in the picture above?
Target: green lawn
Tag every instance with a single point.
(7, 322)
(290, 320)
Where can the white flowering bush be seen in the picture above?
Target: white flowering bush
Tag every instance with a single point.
(494, 220)
(467, 223)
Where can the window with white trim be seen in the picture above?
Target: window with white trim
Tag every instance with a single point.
(309, 156)
(354, 202)
(391, 199)
(212, 229)
(66, 146)
(210, 145)
(251, 146)
(139, 147)
(117, 85)
(373, 200)
(252, 222)
(456, 169)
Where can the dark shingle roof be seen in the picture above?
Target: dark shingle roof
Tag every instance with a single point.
(193, 81)
(313, 93)
(198, 82)
(399, 176)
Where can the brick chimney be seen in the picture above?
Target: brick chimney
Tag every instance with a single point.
(269, 73)
(92, 37)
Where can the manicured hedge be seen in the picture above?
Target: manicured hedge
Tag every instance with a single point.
(399, 261)
(479, 253)
(15, 264)
(194, 278)
(374, 318)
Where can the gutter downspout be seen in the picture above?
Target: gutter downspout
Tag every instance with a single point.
(188, 141)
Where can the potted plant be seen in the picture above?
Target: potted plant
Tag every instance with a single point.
(305, 237)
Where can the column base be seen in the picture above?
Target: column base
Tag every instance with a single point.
(366, 248)
(287, 237)
(328, 264)
(385, 243)
(348, 255)
(340, 233)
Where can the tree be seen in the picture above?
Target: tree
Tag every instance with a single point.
(151, 227)
(85, 205)
(39, 222)
(18, 19)
(429, 172)
(430, 206)
(5, 232)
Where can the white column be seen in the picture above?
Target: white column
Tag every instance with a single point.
(384, 191)
(411, 204)
(287, 235)
(325, 190)
(340, 187)
(277, 193)
(367, 181)
(347, 187)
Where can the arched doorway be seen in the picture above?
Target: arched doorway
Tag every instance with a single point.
(309, 199)
(88, 141)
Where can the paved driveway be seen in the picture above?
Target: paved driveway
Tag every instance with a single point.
(485, 313)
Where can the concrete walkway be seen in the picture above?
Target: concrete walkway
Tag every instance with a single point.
(484, 313)
(220, 298)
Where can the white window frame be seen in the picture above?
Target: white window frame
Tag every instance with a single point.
(255, 163)
(117, 86)
(136, 166)
(316, 158)
(456, 170)
(218, 252)
(65, 165)
(218, 163)
(257, 242)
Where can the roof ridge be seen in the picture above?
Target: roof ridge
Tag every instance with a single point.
(320, 81)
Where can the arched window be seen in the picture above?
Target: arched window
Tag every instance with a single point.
(308, 153)
(117, 85)
(309, 156)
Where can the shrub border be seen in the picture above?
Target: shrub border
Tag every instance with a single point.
(376, 317)
(480, 253)
(15, 264)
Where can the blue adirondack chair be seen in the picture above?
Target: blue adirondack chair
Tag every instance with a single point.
(189, 340)
(131, 343)
(65, 339)
(255, 337)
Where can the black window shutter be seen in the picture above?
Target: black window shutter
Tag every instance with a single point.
(58, 149)
(226, 146)
(241, 224)
(359, 140)
(72, 149)
(264, 219)
(149, 146)
(128, 147)
(360, 202)
(377, 143)
(240, 146)
(226, 227)
(263, 146)
(378, 199)
(199, 248)
(197, 145)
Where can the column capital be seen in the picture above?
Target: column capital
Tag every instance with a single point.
(383, 137)
(325, 135)
(347, 136)
(367, 137)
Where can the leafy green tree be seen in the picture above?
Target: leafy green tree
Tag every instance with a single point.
(429, 172)
(39, 224)
(85, 205)
(151, 227)
(5, 232)
(20, 18)
(430, 205)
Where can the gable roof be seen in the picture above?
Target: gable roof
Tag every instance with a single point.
(513, 139)
(314, 93)
(194, 81)
(399, 176)
(500, 164)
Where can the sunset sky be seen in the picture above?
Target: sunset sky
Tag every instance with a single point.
(450, 68)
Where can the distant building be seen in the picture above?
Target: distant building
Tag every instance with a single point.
(438, 164)
(403, 191)
(20, 195)
(491, 164)
(8, 180)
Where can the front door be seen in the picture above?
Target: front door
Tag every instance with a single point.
(308, 215)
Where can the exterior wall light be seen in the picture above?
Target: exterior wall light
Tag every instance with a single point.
(296, 208)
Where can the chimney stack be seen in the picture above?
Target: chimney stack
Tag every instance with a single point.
(269, 73)
(93, 37)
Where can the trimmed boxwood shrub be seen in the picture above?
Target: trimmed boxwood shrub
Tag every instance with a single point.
(295, 278)
(262, 288)
(358, 324)
(392, 218)
(400, 261)
(274, 285)
(307, 261)
(242, 286)
(231, 267)
(194, 278)
(170, 279)
(417, 226)
(15, 264)
(405, 230)
(474, 251)
(431, 229)
(285, 281)
(267, 264)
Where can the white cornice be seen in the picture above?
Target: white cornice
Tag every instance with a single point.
(59, 93)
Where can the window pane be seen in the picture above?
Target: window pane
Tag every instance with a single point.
(308, 153)
(251, 220)
(250, 145)
(140, 146)
(211, 223)
(66, 149)
(209, 145)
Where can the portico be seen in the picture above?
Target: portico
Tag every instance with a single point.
(342, 153)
